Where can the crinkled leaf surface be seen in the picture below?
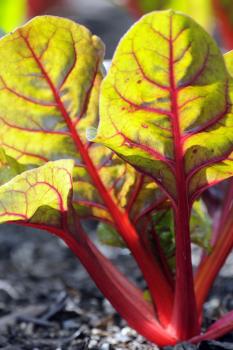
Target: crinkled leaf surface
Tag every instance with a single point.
(166, 105)
(39, 195)
(49, 83)
(50, 74)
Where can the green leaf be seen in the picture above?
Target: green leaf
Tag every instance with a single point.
(109, 236)
(118, 176)
(86, 199)
(164, 228)
(228, 57)
(165, 105)
(39, 196)
(149, 199)
(49, 89)
(200, 229)
(201, 226)
(58, 61)
(9, 167)
(55, 91)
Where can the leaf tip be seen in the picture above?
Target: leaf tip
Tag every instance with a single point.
(99, 45)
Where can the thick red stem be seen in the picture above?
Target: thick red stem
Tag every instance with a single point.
(185, 320)
(124, 301)
(135, 193)
(127, 299)
(162, 295)
(212, 264)
(217, 329)
(225, 25)
(227, 206)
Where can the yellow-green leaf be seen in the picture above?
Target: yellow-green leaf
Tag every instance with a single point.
(49, 90)
(39, 196)
(108, 235)
(50, 71)
(165, 105)
(9, 167)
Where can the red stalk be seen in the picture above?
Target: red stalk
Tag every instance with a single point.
(219, 220)
(38, 7)
(162, 296)
(125, 302)
(227, 205)
(185, 319)
(225, 320)
(123, 295)
(226, 28)
(161, 292)
(135, 193)
(212, 264)
(218, 329)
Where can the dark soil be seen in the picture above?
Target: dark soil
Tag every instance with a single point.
(48, 302)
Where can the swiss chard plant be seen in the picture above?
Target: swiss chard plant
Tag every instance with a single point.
(135, 152)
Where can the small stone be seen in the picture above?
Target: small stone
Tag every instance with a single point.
(71, 324)
(106, 346)
(93, 343)
(108, 307)
(129, 332)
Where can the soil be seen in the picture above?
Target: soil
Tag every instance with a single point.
(47, 300)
